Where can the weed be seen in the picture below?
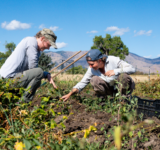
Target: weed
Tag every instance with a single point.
(44, 125)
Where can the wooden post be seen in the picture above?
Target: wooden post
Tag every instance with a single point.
(69, 65)
(64, 62)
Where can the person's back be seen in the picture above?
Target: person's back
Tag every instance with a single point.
(22, 64)
(18, 61)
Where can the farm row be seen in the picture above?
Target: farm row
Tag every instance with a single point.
(83, 122)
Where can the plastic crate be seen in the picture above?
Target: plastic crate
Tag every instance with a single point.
(149, 108)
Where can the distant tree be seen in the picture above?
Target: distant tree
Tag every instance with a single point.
(2, 59)
(110, 46)
(77, 70)
(139, 73)
(10, 48)
(45, 62)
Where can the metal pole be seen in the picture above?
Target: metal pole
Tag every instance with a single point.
(149, 73)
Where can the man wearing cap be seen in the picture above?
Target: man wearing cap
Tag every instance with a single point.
(102, 73)
(22, 64)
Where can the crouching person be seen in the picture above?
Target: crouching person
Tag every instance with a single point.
(102, 73)
(22, 64)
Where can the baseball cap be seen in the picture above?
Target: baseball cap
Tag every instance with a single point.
(50, 36)
(94, 54)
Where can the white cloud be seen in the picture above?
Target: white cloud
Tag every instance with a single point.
(118, 31)
(93, 31)
(148, 56)
(149, 32)
(143, 32)
(112, 28)
(61, 45)
(158, 55)
(41, 26)
(15, 25)
(55, 28)
(121, 31)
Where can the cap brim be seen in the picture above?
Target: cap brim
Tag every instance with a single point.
(53, 44)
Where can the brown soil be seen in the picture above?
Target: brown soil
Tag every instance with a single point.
(152, 135)
(81, 119)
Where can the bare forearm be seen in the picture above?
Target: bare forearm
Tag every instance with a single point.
(66, 97)
(74, 91)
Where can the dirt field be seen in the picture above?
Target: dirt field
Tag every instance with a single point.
(81, 119)
(136, 78)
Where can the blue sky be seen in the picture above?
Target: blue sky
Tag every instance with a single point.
(76, 22)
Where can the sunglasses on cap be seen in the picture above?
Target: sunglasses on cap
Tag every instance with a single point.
(55, 37)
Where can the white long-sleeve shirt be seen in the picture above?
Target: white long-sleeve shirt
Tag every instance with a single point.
(112, 63)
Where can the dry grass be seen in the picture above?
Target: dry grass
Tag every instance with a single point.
(143, 78)
(136, 78)
(69, 77)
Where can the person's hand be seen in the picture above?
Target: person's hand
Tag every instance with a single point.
(66, 97)
(51, 81)
(110, 73)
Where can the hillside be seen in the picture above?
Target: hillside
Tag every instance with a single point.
(143, 64)
(140, 63)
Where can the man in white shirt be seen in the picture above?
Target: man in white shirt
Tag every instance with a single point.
(102, 73)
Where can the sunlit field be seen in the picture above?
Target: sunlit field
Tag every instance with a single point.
(83, 122)
(78, 77)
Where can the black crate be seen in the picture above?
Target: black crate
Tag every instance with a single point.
(149, 108)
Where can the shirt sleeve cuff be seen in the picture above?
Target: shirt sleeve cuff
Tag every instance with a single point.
(79, 90)
(117, 71)
(45, 74)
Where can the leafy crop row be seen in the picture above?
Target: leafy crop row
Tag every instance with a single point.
(35, 126)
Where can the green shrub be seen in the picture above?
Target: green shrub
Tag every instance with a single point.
(8, 93)
(77, 70)
(148, 89)
(3, 56)
(45, 62)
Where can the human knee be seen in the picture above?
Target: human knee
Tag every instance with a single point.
(39, 72)
(124, 78)
(94, 80)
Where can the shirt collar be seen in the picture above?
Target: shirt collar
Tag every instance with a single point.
(107, 61)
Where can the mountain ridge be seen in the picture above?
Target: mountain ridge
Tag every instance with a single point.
(140, 63)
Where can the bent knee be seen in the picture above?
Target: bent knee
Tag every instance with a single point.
(39, 72)
(96, 81)
(123, 76)
(93, 80)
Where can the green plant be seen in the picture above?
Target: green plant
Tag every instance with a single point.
(77, 70)
(10, 48)
(45, 62)
(110, 46)
(43, 125)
